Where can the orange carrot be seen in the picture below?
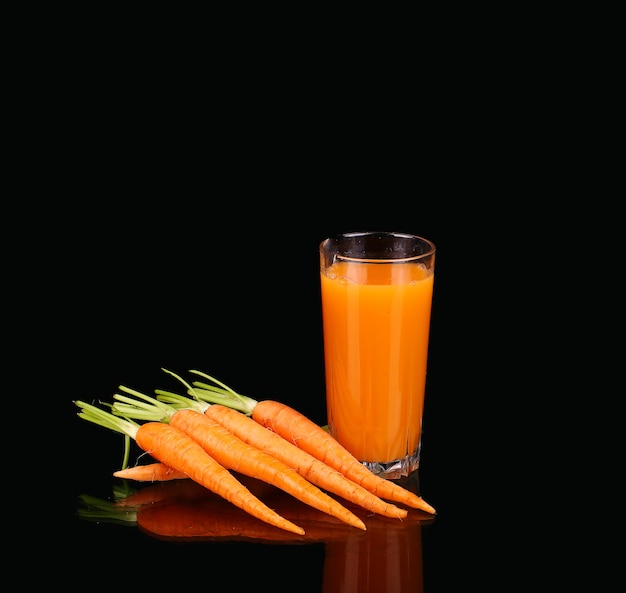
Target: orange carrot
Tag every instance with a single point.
(311, 468)
(151, 472)
(177, 449)
(233, 453)
(166, 487)
(305, 434)
(308, 466)
(190, 491)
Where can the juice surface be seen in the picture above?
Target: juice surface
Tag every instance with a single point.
(376, 319)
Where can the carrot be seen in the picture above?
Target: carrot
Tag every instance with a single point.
(182, 488)
(308, 466)
(177, 449)
(151, 472)
(188, 490)
(305, 434)
(234, 453)
(311, 468)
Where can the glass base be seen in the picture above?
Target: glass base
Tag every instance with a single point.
(398, 468)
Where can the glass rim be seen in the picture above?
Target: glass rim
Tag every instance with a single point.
(337, 238)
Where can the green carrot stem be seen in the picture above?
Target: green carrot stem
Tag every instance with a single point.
(107, 420)
(211, 393)
(178, 401)
(152, 409)
(216, 393)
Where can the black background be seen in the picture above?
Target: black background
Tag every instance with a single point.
(156, 197)
(212, 263)
(234, 292)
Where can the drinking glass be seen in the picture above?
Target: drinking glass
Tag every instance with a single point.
(377, 290)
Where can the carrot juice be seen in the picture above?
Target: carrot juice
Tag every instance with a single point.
(376, 324)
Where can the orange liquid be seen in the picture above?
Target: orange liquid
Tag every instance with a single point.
(376, 319)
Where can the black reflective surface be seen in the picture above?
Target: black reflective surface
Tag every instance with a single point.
(241, 302)
(183, 521)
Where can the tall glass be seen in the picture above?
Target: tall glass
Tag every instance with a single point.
(377, 290)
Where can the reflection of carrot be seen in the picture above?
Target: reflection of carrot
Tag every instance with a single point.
(306, 464)
(175, 448)
(183, 510)
(150, 472)
(184, 520)
(169, 490)
(171, 512)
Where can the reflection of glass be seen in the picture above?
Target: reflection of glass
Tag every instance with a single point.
(387, 559)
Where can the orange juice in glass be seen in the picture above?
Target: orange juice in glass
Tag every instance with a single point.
(377, 290)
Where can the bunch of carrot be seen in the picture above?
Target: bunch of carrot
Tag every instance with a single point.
(216, 431)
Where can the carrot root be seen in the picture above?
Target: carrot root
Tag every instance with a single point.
(235, 454)
(151, 472)
(175, 448)
(311, 468)
(305, 434)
